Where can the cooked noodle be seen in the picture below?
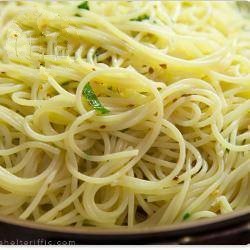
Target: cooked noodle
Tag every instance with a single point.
(169, 138)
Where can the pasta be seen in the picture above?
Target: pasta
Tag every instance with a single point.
(124, 113)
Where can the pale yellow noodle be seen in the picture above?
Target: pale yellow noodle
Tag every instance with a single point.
(174, 142)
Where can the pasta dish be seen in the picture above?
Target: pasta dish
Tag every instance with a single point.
(124, 113)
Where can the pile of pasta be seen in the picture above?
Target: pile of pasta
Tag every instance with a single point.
(124, 113)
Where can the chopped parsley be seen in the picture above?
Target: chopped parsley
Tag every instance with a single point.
(93, 100)
(84, 5)
(186, 216)
(78, 15)
(140, 18)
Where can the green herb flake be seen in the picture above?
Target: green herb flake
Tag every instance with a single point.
(93, 100)
(140, 18)
(78, 15)
(186, 216)
(84, 5)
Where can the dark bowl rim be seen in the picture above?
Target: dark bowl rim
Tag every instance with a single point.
(242, 216)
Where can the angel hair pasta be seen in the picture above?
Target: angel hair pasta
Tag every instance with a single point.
(124, 113)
